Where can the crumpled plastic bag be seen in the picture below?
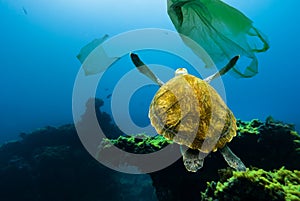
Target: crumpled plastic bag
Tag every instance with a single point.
(87, 49)
(94, 58)
(221, 30)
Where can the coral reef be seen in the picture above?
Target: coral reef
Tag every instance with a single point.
(256, 184)
(51, 164)
(268, 145)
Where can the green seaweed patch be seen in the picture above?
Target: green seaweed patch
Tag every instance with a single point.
(256, 184)
(248, 127)
(138, 144)
(256, 126)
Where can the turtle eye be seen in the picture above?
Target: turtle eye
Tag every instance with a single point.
(181, 71)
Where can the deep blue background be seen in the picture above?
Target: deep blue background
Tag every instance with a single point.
(38, 51)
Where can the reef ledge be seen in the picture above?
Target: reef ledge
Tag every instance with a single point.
(51, 164)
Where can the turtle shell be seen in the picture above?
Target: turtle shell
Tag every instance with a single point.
(190, 112)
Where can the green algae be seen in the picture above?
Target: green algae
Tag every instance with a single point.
(140, 141)
(255, 126)
(139, 144)
(268, 145)
(251, 127)
(256, 184)
(253, 131)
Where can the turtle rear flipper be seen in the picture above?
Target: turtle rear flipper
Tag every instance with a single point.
(192, 159)
(232, 160)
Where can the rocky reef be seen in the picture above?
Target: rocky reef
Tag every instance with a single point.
(267, 145)
(51, 164)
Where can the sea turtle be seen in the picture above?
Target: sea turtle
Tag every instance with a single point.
(188, 111)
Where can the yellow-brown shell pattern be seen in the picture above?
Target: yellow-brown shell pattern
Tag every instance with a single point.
(190, 112)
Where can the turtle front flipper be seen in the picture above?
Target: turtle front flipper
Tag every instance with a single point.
(232, 160)
(224, 70)
(192, 158)
(143, 68)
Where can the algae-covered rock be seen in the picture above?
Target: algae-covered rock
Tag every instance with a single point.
(51, 164)
(138, 144)
(256, 184)
(268, 145)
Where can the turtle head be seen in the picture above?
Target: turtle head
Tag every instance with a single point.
(181, 71)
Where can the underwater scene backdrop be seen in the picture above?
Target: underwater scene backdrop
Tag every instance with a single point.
(42, 158)
(40, 41)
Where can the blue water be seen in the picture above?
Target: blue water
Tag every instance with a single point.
(40, 40)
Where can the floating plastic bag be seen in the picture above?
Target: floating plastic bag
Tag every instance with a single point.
(221, 30)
